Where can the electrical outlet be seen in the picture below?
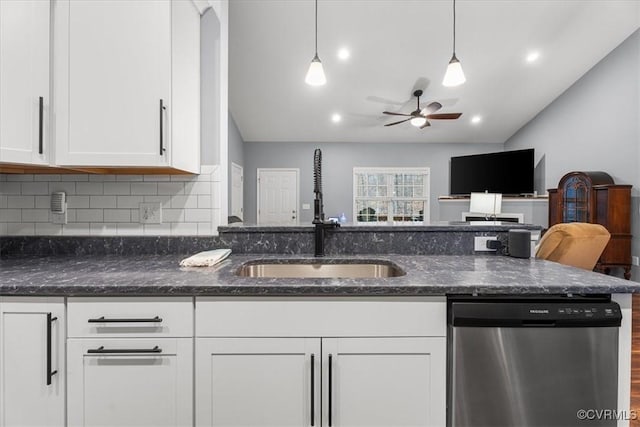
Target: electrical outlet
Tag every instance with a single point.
(59, 218)
(480, 243)
(635, 260)
(150, 213)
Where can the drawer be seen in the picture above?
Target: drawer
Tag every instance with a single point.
(122, 317)
(320, 317)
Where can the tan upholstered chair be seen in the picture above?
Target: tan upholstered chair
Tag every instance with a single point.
(575, 243)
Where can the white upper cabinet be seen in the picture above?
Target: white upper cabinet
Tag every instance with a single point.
(127, 84)
(24, 81)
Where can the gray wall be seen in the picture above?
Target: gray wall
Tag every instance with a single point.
(236, 151)
(209, 88)
(594, 125)
(338, 161)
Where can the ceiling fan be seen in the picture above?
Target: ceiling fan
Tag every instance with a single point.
(419, 117)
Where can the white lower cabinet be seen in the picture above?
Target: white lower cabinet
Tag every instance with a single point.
(130, 382)
(130, 362)
(252, 369)
(32, 371)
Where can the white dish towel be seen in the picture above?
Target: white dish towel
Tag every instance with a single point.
(206, 258)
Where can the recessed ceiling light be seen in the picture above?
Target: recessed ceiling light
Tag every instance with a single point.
(533, 56)
(336, 118)
(344, 53)
(476, 119)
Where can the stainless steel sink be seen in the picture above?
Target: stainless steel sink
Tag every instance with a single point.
(333, 269)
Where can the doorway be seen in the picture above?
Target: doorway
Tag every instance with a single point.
(278, 195)
(237, 193)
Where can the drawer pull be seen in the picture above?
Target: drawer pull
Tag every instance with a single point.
(102, 350)
(102, 319)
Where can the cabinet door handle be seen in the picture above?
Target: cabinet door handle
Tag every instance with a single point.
(102, 350)
(162, 108)
(313, 389)
(50, 373)
(330, 405)
(102, 319)
(40, 124)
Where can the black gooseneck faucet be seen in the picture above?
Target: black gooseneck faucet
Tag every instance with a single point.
(318, 208)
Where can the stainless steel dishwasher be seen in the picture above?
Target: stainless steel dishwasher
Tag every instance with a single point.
(532, 362)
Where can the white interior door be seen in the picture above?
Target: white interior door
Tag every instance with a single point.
(258, 382)
(278, 196)
(388, 382)
(237, 179)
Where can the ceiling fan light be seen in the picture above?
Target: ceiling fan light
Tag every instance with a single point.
(418, 121)
(315, 75)
(454, 75)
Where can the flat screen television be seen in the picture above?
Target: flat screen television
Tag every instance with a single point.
(506, 172)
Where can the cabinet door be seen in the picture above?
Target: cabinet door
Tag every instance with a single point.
(24, 80)
(258, 382)
(32, 371)
(130, 382)
(113, 69)
(384, 381)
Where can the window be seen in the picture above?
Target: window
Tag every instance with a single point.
(390, 195)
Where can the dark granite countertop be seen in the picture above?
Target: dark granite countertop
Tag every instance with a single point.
(426, 275)
(434, 226)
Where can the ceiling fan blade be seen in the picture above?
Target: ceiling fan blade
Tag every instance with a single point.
(395, 123)
(426, 124)
(431, 108)
(444, 116)
(395, 114)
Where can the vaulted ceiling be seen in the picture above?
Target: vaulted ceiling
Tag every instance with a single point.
(397, 46)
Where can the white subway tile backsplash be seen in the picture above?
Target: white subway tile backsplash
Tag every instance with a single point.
(89, 188)
(21, 202)
(204, 202)
(103, 229)
(197, 188)
(77, 202)
(129, 201)
(181, 202)
(109, 204)
(46, 178)
(144, 188)
(170, 188)
(34, 188)
(21, 229)
(19, 177)
(123, 188)
(48, 229)
(102, 201)
(197, 215)
(101, 178)
(89, 215)
(35, 215)
(172, 215)
(117, 215)
(76, 229)
(184, 229)
(10, 215)
(129, 230)
(156, 178)
(8, 188)
(75, 177)
(67, 187)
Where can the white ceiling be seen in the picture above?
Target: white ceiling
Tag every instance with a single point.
(399, 45)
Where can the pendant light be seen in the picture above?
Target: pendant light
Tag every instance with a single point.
(315, 75)
(454, 75)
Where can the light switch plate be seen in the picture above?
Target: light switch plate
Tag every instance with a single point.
(635, 260)
(306, 206)
(150, 213)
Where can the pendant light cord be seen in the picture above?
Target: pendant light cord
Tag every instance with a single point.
(317, 27)
(454, 27)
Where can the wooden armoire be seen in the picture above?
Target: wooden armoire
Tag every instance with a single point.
(593, 197)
